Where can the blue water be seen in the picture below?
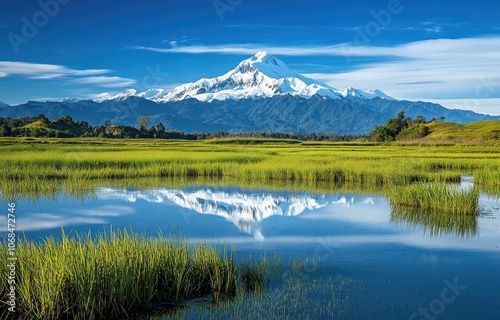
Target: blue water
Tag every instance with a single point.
(396, 270)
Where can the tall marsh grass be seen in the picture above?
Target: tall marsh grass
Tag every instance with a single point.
(436, 197)
(116, 274)
(34, 166)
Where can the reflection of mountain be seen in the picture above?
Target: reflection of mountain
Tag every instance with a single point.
(244, 209)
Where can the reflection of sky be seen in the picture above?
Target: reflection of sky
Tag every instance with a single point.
(395, 269)
(232, 215)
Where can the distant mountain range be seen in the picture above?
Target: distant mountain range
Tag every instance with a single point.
(261, 93)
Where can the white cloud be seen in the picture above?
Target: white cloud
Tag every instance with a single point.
(432, 69)
(43, 71)
(109, 82)
(39, 71)
(483, 47)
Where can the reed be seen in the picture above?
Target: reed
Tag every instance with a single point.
(436, 197)
(116, 274)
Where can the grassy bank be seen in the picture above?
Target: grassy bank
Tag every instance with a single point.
(369, 166)
(116, 274)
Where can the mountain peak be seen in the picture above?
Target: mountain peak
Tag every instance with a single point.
(264, 57)
(266, 64)
(259, 76)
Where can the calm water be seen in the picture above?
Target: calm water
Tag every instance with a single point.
(399, 266)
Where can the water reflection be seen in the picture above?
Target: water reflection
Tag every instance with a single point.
(436, 223)
(244, 209)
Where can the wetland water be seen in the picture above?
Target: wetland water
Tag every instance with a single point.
(396, 265)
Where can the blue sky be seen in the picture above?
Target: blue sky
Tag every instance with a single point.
(442, 51)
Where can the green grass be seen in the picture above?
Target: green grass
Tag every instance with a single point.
(481, 131)
(436, 197)
(117, 274)
(310, 164)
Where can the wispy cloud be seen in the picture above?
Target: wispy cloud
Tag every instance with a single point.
(109, 82)
(485, 46)
(274, 26)
(249, 49)
(444, 68)
(39, 71)
(43, 71)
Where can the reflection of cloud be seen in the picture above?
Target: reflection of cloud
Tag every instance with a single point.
(97, 215)
(107, 211)
(41, 221)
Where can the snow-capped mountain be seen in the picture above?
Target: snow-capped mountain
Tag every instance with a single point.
(260, 76)
(150, 94)
(357, 93)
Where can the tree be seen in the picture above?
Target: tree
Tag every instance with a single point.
(42, 118)
(5, 130)
(441, 118)
(381, 134)
(395, 125)
(66, 119)
(160, 130)
(143, 122)
(107, 123)
(420, 119)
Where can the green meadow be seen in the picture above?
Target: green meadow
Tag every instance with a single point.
(31, 166)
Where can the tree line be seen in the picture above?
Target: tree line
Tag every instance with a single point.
(66, 127)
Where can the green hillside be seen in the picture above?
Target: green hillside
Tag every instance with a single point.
(54, 127)
(481, 130)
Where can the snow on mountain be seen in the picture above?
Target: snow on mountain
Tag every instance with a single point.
(357, 93)
(120, 96)
(259, 76)
(69, 100)
(152, 94)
